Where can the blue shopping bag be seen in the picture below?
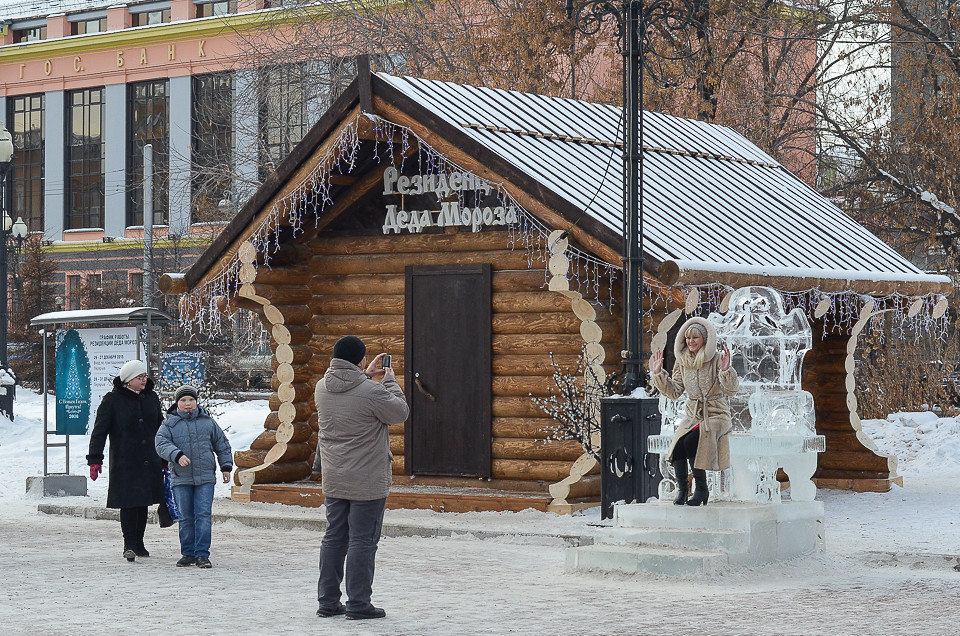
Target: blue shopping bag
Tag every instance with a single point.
(169, 499)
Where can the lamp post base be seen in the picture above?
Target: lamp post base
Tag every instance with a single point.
(628, 473)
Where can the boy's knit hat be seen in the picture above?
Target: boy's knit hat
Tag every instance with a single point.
(186, 389)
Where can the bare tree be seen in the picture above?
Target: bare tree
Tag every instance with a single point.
(574, 403)
(32, 276)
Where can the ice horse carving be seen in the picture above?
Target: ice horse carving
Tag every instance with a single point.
(773, 417)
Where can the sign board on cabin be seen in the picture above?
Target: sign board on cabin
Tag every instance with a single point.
(450, 213)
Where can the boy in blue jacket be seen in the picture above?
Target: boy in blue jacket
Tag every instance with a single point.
(192, 442)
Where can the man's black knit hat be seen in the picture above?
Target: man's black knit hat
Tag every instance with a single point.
(350, 348)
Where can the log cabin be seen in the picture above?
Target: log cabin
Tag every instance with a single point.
(475, 234)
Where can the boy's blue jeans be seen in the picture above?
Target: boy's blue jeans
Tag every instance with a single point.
(196, 506)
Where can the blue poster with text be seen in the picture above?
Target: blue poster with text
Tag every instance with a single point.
(181, 367)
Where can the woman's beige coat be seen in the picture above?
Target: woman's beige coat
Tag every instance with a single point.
(708, 406)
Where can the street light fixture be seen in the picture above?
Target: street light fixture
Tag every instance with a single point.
(225, 206)
(633, 20)
(19, 231)
(626, 423)
(6, 161)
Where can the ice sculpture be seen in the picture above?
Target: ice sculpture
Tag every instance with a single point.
(773, 417)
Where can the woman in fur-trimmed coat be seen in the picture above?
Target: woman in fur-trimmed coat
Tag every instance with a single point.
(702, 435)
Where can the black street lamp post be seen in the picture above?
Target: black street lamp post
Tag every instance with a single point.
(633, 20)
(6, 161)
(626, 471)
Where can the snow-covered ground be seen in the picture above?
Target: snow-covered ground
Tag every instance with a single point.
(888, 567)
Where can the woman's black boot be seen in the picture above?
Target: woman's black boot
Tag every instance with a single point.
(683, 482)
(700, 493)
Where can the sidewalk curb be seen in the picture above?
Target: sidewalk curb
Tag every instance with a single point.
(393, 530)
(875, 558)
(914, 560)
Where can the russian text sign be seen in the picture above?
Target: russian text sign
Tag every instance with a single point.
(87, 361)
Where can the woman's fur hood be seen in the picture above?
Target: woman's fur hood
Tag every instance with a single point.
(710, 346)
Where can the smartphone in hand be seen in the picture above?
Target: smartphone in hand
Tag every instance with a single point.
(385, 361)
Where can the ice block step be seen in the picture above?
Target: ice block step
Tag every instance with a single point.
(693, 538)
(634, 559)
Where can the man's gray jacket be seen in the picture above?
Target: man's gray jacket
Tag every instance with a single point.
(354, 414)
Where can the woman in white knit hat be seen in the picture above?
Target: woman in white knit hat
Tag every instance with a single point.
(702, 435)
(129, 417)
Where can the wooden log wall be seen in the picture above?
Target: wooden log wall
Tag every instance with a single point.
(851, 460)
(284, 451)
(341, 285)
(358, 287)
(338, 285)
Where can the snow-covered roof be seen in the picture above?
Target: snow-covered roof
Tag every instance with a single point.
(712, 200)
(23, 9)
(113, 315)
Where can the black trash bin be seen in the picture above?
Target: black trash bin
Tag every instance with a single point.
(628, 472)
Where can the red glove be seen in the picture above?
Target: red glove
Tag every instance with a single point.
(95, 470)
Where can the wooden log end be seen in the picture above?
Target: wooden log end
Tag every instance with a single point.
(172, 284)
(284, 473)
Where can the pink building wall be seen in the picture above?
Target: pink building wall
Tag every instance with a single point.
(119, 62)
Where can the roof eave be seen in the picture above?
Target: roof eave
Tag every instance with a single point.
(681, 272)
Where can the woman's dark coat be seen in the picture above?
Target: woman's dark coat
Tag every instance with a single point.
(131, 421)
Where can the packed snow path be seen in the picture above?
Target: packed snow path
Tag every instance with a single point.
(65, 575)
(888, 568)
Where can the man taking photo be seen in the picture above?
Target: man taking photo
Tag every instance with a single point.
(353, 453)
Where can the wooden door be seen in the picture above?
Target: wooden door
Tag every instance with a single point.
(447, 370)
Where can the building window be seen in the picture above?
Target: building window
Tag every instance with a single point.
(151, 17)
(213, 145)
(136, 283)
(34, 34)
(149, 123)
(88, 26)
(93, 295)
(283, 113)
(85, 159)
(73, 293)
(26, 113)
(221, 8)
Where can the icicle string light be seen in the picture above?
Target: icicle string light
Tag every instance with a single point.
(844, 312)
(201, 308)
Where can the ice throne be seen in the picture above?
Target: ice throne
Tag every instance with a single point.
(773, 417)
